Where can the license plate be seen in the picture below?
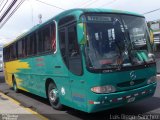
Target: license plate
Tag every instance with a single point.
(132, 99)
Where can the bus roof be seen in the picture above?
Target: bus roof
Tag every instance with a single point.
(76, 13)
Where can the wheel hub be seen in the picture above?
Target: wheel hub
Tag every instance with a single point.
(53, 95)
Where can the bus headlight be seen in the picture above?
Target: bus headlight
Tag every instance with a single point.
(103, 89)
(151, 57)
(152, 80)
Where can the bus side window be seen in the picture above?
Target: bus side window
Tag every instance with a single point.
(10, 53)
(53, 36)
(33, 44)
(4, 54)
(28, 45)
(46, 38)
(24, 47)
(40, 42)
(20, 49)
(13, 51)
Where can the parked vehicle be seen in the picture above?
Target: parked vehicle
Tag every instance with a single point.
(87, 59)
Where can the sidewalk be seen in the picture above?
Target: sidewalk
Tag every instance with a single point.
(11, 109)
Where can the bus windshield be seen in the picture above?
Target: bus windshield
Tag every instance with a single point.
(116, 41)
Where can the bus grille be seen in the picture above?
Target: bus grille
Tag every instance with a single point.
(127, 84)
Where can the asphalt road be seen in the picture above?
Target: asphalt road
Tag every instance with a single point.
(158, 65)
(1, 77)
(147, 109)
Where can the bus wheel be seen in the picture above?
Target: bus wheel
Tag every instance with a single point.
(53, 97)
(15, 85)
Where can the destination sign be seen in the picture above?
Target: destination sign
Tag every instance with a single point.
(99, 18)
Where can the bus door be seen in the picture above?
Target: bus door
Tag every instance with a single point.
(72, 59)
(65, 90)
(75, 68)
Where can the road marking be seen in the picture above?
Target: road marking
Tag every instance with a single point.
(28, 109)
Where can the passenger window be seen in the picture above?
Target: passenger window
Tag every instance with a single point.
(14, 51)
(46, 39)
(28, 46)
(33, 45)
(40, 42)
(6, 53)
(24, 48)
(53, 36)
(20, 49)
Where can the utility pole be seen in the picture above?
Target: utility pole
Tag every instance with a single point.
(40, 18)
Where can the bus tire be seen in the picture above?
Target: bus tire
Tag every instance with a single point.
(15, 88)
(53, 96)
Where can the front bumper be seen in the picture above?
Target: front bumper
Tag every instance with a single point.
(107, 101)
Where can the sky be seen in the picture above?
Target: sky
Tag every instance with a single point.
(27, 15)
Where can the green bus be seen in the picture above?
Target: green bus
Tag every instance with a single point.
(88, 59)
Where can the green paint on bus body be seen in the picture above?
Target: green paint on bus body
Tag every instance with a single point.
(35, 83)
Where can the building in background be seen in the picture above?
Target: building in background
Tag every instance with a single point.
(155, 27)
(1, 58)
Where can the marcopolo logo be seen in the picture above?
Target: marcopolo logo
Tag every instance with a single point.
(133, 77)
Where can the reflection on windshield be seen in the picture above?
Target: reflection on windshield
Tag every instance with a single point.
(115, 41)
(137, 31)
